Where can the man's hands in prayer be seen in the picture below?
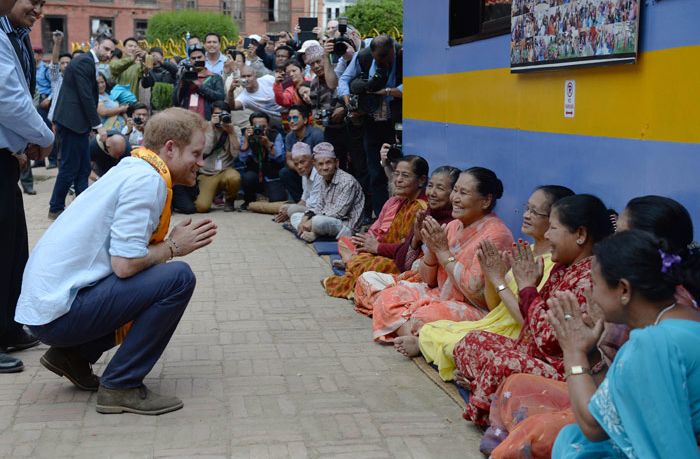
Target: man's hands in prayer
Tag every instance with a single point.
(190, 236)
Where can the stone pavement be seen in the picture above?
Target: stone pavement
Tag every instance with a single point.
(267, 365)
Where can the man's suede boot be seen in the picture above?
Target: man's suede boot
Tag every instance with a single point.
(138, 400)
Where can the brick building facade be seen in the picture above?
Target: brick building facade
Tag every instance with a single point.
(80, 19)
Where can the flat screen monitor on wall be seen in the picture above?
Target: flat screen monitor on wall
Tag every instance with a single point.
(549, 34)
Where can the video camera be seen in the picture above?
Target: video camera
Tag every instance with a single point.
(375, 83)
(190, 70)
(341, 43)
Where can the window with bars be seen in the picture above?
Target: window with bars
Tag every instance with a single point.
(238, 9)
(140, 26)
(225, 7)
(476, 20)
(191, 4)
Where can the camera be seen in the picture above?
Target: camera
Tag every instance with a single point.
(138, 120)
(395, 152)
(396, 149)
(341, 43)
(258, 130)
(324, 116)
(224, 118)
(243, 82)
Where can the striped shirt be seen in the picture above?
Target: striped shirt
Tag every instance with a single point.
(19, 36)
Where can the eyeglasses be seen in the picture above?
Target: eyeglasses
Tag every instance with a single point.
(532, 211)
(294, 118)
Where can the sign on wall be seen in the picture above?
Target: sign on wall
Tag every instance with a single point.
(548, 34)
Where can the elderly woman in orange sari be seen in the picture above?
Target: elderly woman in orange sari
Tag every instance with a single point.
(454, 284)
(371, 283)
(375, 250)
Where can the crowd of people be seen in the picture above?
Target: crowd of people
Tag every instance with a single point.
(577, 342)
(260, 98)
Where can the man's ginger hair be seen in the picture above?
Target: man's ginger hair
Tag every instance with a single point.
(176, 124)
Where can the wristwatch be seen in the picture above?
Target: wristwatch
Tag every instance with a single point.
(387, 90)
(450, 260)
(576, 370)
(500, 288)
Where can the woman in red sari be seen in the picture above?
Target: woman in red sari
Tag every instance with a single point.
(528, 411)
(484, 359)
(453, 287)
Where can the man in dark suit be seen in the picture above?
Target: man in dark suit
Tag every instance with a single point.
(75, 116)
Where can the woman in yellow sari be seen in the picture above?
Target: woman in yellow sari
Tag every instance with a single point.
(375, 250)
(438, 339)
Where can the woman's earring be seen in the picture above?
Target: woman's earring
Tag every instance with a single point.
(623, 300)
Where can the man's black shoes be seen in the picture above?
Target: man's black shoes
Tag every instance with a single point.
(68, 363)
(18, 341)
(10, 364)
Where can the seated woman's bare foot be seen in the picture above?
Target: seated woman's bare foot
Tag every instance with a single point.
(340, 264)
(407, 345)
(460, 380)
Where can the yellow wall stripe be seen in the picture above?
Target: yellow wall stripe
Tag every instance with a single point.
(656, 99)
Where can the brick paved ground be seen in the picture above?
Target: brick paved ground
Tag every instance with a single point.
(268, 367)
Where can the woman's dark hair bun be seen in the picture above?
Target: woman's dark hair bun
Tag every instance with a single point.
(488, 183)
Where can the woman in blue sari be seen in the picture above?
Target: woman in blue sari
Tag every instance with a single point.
(648, 406)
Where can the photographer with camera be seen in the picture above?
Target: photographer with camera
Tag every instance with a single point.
(136, 118)
(375, 75)
(221, 149)
(262, 153)
(197, 87)
(328, 110)
(156, 70)
(127, 71)
(300, 131)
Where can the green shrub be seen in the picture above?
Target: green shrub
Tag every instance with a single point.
(175, 24)
(372, 16)
(162, 96)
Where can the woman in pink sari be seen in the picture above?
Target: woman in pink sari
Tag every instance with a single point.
(454, 284)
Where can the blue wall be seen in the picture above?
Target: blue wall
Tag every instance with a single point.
(615, 169)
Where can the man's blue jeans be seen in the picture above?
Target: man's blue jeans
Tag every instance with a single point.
(154, 299)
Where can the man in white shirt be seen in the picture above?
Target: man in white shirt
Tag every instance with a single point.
(258, 95)
(310, 183)
(98, 276)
